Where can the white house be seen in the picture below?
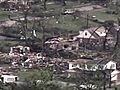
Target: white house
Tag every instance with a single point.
(95, 36)
(91, 33)
(101, 31)
(9, 78)
(2, 1)
(80, 63)
(110, 65)
(19, 50)
(115, 76)
(104, 65)
(20, 1)
(9, 23)
(73, 65)
(93, 65)
(84, 34)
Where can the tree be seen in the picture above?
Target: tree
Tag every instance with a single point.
(108, 26)
(63, 2)
(117, 36)
(45, 6)
(87, 80)
(40, 80)
(23, 23)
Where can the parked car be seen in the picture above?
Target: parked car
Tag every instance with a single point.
(68, 12)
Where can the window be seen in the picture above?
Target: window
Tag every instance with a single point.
(109, 39)
(16, 78)
(112, 66)
(2, 79)
(73, 47)
(85, 33)
(82, 65)
(74, 65)
(66, 46)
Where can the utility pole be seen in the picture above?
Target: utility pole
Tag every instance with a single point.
(43, 23)
(118, 31)
(25, 24)
(117, 8)
(87, 20)
(104, 77)
(110, 78)
(42, 27)
(117, 39)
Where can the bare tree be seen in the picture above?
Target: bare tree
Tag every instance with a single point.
(108, 26)
(63, 2)
(45, 6)
(93, 33)
(24, 23)
(117, 36)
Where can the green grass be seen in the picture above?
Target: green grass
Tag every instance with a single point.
(6, 44)
(11, 43)
(69, 4)
(22, 75)
(103, 15)
(68, 23)
(4, 15)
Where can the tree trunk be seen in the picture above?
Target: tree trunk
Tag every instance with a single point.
(110, 79)
(93, 33)
(117, 41)
(78, 1)
(45, 7)
(63, 2)
(25, 27)
(104, 83)
(105, 39)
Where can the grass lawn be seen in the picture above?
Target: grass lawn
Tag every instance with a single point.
(68, 23)
(4, 15)
(101, 14)
(69, 4)
(6, 44)
(11, 43)
(22, 75)
(25, 74)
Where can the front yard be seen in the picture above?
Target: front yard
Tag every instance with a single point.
(102, 15)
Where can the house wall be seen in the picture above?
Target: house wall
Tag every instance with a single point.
(2, 1)
(80, 66)
(110, 65)
(73, 66)
(94, 67)
(118, 77)
(8, 78)
(102, 34)
(85, 34)
(115, 75)
(14, 1)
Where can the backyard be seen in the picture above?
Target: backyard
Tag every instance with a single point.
(102, 15)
